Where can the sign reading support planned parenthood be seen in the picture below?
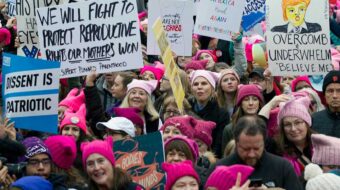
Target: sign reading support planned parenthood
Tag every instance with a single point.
(30, 90)
(141, 157)
(177, 18)
(254, 12)
(102, 35)
(219, 18)
(298, 41)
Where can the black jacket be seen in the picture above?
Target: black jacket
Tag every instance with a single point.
(58, 181)
(327, 123)
(273, 170)
(311, 28)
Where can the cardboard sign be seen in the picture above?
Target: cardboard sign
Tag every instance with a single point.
(30, 90)
(298, 41)
(141, 157)
(11, 6)
(177, 18)
(102, 35)
(219, 18)
(254, 12)
(171, 68)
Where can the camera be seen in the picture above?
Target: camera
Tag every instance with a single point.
(14, 169)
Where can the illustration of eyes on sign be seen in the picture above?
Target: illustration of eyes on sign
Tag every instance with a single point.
(30, 92)
(219, 18)
(101, 35)
(178, 23)
(298, 41)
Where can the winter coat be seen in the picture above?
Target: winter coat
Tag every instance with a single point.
(327, 123)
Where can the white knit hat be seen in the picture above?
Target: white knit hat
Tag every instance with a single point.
(316, 180)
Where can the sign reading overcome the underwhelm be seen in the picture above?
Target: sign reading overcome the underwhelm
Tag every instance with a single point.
(102, 35)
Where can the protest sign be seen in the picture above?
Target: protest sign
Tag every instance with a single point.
(219, 18)
(196, 2)
(27, 25)
(30, 91)
(298, 40)
(11, 8)
(101, 35)
(141, 157)
(255, 30)
(254, 12)
(177, 18)
(171, 69)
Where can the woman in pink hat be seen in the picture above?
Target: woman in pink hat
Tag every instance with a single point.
(208, 55)
(178, 125)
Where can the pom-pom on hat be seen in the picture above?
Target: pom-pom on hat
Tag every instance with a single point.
(316, 180)
(331, 77)
(212, 77)
(158, 73)
(185, 124)
(131, 114)
(77, 119)
(203, 131)
(63, 150)
(175, 171)
(224, 177)
(248, 90)
(196, 65)
(326, 150)
(33, 183)
(74, 99)
(102, 147)
(118, 124)
(191, 144)
(295, 108)
(210, 52)
(148, 86)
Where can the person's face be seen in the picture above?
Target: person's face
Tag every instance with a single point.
(185, 183)
(110, 77)
(287, 80)
(138, 98)
(229, 83)
(296, 13)
(118, 90)
(148, 75)
(207, 56)
(99, 169)
(61, 111)
(171, 111)
(202, 89)
(332, 95)
(175, 156)
(139, 130)
(165, 85)
(250, 105)
(250, 148)
(170, 131)
(202, 147)
(295, 129)
(302, 84)
(116, 135)
(258, 81)
(39, 165)
(71, 130)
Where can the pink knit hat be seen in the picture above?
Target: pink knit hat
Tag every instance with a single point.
(158, 73)
(176, 171)
(185, 124)
(203, 131)
(73, 100)
(248, 90)
(299, 79)
(148, 86)
(191, 144)
(102, 147)
(224, 177)
(196, 65)
(272, 127)
(295, 108)
(63, 150)
(210, 52)
(212, 77)
(228, 71)
(5, 36)
(131, 114)
(326, 150)
(78, 119)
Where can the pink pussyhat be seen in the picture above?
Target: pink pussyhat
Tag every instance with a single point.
(131, 114)
(191, 144)
(5, 36)
(102, 147)
(196, 65)
(300, 79)
(185, 124)
(212, 77)
(295, 108)
(158, 73)
(77, 119)
(210, 52)
(148, 86)
(326, 150)
(203, 131)
(74, 99)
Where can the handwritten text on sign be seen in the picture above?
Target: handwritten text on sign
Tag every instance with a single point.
(91, 35)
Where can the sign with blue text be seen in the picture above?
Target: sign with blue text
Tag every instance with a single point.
(30, 92)
(254, 12)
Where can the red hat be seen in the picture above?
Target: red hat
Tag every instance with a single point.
(176, 171)
(248, 90)
(78, 119)
(185, 124)
(191, 144)
(224, 177)
(156, 71)
(131, 114)
(210, 52)
(63, 150)
(196, 65)
(72, 100)
(299, 79)
(102, 147)
(203, 131)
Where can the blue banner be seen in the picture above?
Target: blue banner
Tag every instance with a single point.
(30, 89)
(254, 12)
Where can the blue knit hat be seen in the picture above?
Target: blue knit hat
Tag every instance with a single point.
(33, 183)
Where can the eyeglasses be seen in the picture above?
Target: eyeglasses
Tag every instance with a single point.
(36, 163)
(296, 124)
(172, 112)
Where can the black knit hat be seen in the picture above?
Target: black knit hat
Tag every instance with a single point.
(331, 77)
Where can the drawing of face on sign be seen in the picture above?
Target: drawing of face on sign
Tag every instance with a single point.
(294, 13)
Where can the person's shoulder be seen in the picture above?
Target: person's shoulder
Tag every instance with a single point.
(280, 28)
(317, 115)
(313, 27)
